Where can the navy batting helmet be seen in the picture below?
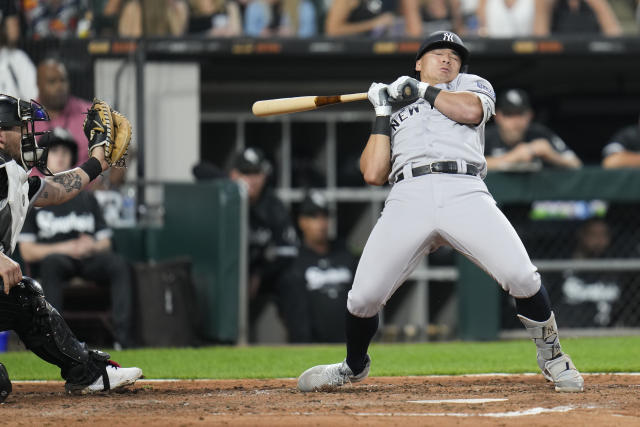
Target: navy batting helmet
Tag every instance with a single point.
(445, 40)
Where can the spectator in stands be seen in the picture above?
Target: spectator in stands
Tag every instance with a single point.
(469, 10)
(313, 291)
(153, 18)
(593, 240)
(283, 18)
(623, 150)
(441, 15)
(17, 72)
(72, 240)
(582, 16)
(215, 18)
(51, 18)
(65, 110)
(9, 22)
(514, 142)
(591, 298)
(101, 18)
(273, 242)
(512, 18)
(374, 18)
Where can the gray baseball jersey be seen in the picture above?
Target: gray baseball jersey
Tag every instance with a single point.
(424, 212)
(421, 134)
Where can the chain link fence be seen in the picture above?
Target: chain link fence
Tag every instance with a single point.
(588, 254)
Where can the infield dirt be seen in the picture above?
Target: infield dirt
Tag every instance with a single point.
(608, 400)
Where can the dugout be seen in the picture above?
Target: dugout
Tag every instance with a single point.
(584, 88)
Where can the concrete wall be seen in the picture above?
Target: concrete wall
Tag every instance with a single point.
(172, 113)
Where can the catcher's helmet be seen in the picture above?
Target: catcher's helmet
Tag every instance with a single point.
(18, 112)
(445, 39)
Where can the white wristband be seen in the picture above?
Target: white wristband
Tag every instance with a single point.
(422, 88)
(383, 110)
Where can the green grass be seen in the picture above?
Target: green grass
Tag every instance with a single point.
(607, 354)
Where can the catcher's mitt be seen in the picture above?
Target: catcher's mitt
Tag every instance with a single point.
(107, 127)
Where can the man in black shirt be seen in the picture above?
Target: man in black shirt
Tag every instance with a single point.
(515, 143)
(623, 150)
(313, 290)
(273, 241)
(73, 240)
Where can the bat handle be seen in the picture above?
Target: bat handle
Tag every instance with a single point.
(409, 92)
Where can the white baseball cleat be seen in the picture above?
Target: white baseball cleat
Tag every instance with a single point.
(329, 377)
(117, 378)
(564, 374)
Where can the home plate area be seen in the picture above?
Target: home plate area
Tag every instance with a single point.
(608, 399)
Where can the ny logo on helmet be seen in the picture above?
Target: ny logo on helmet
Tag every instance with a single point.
(447, 37)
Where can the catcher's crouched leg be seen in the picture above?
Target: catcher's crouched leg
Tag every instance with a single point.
(45, 332)
(5, 383)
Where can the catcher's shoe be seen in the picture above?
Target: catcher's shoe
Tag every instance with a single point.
(5, 383)
(564, 374)
(329, 377)
(115, 377)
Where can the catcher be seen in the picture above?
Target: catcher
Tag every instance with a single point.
(23, 307)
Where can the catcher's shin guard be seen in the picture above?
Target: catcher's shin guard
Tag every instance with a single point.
(5, 383)
(43, 331)
(554, 364)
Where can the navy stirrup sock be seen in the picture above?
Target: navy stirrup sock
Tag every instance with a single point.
(536, 307)
(360, 332)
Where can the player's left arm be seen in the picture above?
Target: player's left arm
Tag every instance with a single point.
(461, 107)
(472, 104)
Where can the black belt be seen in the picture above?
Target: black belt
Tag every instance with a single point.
(439, 167)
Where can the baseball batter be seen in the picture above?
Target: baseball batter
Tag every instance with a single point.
(431, 151)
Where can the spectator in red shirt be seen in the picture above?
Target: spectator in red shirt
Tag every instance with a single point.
(64, 109)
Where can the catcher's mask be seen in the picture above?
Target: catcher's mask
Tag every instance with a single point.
(17, 112)
(448, 40)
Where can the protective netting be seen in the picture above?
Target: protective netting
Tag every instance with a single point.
(588, 254)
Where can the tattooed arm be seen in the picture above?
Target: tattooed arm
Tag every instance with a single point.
(64, 186)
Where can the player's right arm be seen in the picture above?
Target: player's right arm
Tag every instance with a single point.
(10, 272)
(375, 161)
(64, 186)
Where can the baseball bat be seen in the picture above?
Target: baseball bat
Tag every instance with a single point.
(272, 107)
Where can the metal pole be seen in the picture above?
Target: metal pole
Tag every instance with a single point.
(243, 273)
(140, 60)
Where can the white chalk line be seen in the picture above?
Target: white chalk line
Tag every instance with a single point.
(464, 401)
(510, 414)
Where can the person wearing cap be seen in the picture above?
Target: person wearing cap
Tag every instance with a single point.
(313, 291)
(515, 142)
(273, 241)
(60, 242)
(431, 153)
(623, 149)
